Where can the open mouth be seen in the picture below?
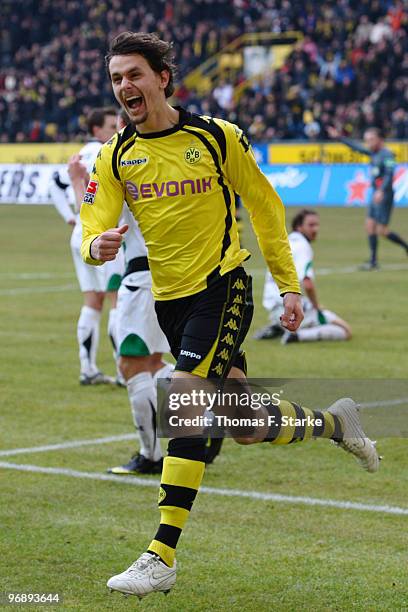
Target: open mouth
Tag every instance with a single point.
(134, 103)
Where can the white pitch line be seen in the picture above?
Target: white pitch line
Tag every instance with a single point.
(343, 270)
(35, 275)
(63, 445)
(29, 290)
(382, 403)
(275, 497)
(253, 272)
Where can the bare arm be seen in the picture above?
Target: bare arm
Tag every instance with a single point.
(79, 178)
(335, 135)
(58, 191)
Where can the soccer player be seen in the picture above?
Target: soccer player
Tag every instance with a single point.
(382, 201)
(318, 323)
(140, 341)
(94, 283)
(141, 344)
(178, 173)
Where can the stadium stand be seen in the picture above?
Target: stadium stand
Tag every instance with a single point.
(348, 67)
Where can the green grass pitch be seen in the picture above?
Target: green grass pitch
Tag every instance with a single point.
(69, 535)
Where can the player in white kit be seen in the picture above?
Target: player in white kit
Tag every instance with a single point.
(141, 344)
(318, 323)
(94, 282)
(140, 341)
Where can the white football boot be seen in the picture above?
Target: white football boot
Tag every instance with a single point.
(146, 575)
(354, 439)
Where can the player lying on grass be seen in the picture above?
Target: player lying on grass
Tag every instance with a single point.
(179, 173)
(318, 323)
(95, 283)
(380, 209)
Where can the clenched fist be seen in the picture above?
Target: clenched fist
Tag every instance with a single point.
(293, 313)
(106, 246)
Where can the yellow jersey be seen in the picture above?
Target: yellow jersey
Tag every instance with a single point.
(181, 184)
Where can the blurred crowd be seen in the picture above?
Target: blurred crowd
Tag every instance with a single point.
(349, 70)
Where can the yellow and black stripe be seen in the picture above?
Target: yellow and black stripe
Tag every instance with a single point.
(234, 324)
(181, 478)
(296, 428)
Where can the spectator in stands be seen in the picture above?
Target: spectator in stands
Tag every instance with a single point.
(51, 63)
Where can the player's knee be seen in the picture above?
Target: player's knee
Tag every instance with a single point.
(187, 448)
(382, 230)
(130, 366)
(94, 299)
(157, 360)
(370, 226)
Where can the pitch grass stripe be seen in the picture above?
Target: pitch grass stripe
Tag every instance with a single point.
(275, 497)
(30, 290)
(63, 445)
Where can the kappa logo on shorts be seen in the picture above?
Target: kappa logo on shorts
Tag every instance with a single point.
(239, 284)
(233, 324)
(134, 162)
(228, 339)
(224, 354)
(190, 354)
(90, 192)
(235, 310)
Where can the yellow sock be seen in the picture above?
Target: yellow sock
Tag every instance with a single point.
(293, 423)
(180, 481)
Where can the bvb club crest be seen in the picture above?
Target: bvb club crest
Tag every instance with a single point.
(192, 155)
(162, 494)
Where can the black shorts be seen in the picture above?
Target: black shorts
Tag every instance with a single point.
(381, 213)
(205, 330)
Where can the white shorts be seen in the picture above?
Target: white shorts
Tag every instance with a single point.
(114, 270)
(312, 316)
(95, 278)
(138, 331)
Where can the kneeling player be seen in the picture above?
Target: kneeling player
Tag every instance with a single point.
(318, 323)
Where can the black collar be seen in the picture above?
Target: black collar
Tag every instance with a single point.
(183, 118)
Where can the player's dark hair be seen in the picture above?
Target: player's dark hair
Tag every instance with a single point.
(96, 117)
(158, 53)
(298, 219)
